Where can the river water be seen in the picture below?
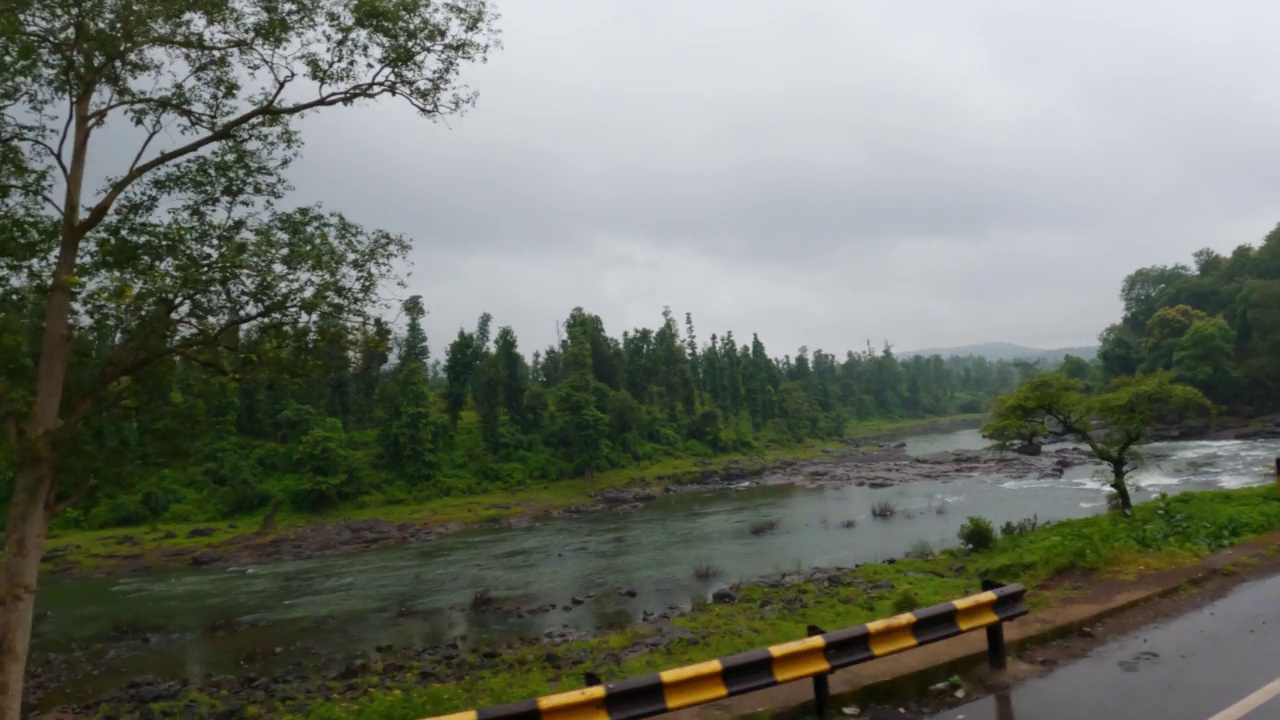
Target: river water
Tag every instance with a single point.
(261, 618)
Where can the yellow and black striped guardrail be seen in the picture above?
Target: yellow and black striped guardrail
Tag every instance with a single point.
(811, 657)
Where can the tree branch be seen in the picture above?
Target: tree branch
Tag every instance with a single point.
(207, 365)
(55, 154)
(66, 130)
(109, 377)
(76, 496)
(43, 196)
(155, 130)
(268, 109)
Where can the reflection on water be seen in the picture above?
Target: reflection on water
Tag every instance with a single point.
(1004, 706)
(258, 617)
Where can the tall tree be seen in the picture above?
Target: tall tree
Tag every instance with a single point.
(181, 244)
(513, 370)
(409, 430)
(583, 424)
(460, 360)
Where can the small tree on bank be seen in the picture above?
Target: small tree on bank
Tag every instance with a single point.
(1113, 424)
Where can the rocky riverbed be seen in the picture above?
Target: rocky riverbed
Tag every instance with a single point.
(320, 670)
(306, 682)
(875, 468)
(243, 625)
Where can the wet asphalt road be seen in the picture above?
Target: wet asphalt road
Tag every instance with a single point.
(1189, 668)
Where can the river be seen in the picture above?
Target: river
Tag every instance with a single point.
(187, 622)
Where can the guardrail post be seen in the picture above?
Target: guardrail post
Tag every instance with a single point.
(996, 653)
(821, 690)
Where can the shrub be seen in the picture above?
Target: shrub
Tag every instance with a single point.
(849, 524)
(977, 534)
(118, 511)
(905, 600)
(185, 513)
(705, 571)
(1022, 527)
(763, 527)
(921, 550)
(884, 509)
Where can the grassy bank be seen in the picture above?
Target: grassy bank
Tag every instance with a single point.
(1166, 532)
(99, 549)
(1055, 561)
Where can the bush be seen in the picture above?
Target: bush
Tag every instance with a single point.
(884, 510)
(705, 571)
(120, 510)
(921, 550)
(977, 534)
(185, 513)
(849, 524)
(905, 600)
(1022, 527)
(763, 527)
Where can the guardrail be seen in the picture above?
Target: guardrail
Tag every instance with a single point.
(812, 657)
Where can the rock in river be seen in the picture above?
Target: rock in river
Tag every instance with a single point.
(205, 557)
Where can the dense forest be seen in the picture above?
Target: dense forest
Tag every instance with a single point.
(321, 415)
(333, 414)
(1215, 325)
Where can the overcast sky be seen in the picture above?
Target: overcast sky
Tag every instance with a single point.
(824, 172)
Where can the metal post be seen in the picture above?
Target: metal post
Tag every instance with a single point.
(821, 690)
(1278, 472)
(995, 635)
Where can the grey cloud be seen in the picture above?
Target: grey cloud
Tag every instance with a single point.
(824, 172)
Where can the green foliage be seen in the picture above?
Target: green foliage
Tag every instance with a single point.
(905, 600)
(1216, 327)
(1113, 423)
(1022, 527)
(1164, 533)
(976, 534)
(332, 415)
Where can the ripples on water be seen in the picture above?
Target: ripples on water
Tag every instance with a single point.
(417, 594)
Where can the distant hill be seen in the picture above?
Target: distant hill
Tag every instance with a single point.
(1007, 351)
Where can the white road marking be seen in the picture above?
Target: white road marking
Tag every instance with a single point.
(1255, 700)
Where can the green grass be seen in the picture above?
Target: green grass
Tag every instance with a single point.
(1163, 533)
(93, 549)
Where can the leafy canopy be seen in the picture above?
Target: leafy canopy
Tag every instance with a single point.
(1112, 423)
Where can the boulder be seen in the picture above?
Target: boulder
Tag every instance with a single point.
(205, 557)
(1028, 448)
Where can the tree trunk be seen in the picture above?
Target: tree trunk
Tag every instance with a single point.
(1122, 490)
(24, 539)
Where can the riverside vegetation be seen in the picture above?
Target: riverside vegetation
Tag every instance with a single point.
(1166, 532)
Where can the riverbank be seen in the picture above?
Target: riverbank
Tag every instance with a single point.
(1058, 562)
(252, 540)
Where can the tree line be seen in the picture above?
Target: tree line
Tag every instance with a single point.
(1191, 341)
(323, 414)
(1213, 324)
